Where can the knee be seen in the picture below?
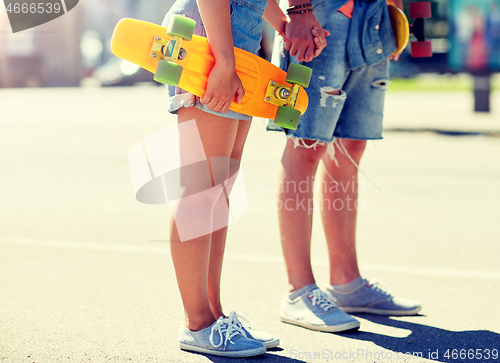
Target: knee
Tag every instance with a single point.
(303, 153)
(355, 148)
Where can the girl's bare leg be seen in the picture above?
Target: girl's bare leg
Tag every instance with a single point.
(192, 258)
(219, 236)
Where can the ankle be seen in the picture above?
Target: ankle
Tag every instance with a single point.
(344, 277)
(217, 313)
(198, 322)
(349, 286)
(297, 285)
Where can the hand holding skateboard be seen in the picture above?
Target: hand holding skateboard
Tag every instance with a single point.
(223, 87)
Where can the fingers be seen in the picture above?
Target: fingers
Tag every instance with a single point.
(302, 50)
(212, 103)
(395, 56)
(222, 102)
(306, 50)
(215, 104)
(224, 108)
(292, 48)
(310, 54)
(240, 92)
(319, 39)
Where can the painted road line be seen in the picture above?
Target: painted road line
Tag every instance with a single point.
(278, 260)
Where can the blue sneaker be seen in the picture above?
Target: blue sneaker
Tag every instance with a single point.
(313, 309)
(222, 338)
(373, 298)
(253, 331)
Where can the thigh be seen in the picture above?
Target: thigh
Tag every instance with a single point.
(240, 139)
(217, 133)
(217, 136)
(362, 115)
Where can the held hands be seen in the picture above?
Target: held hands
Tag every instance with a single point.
(304, 37)
(223, 87)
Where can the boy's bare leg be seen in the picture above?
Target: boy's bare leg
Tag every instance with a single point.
(191, 258)
(219, 236)
(295, 219)
(339, 218)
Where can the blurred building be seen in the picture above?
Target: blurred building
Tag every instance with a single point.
(47, 55)
(63, 51)
(69, 48)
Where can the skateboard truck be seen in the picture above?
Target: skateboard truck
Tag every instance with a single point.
(169, 50)
(421, 47)
(285, 97)
(280, 95)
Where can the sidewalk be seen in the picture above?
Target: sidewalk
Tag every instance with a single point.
(85, 271)
(440, 111)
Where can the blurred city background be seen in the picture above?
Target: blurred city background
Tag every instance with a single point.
(75, 48)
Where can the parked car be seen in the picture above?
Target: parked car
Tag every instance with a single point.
(118, 72)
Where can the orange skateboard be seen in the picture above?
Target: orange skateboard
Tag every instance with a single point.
(177, 57)
(402, 29)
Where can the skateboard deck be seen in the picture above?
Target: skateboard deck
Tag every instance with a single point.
(133, 41)
(402, 29)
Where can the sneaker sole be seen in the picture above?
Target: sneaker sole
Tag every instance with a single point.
(327, 328)
(223, 353)
(271, 344)
(381, 311)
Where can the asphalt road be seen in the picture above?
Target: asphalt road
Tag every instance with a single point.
(85, 274)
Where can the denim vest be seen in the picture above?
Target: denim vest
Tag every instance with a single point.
(370, 34)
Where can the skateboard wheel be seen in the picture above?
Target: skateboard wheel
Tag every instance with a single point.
(421, 49)
(299, 74)
(181, 26)
(168, 73)
(420, 10)
(287, 117)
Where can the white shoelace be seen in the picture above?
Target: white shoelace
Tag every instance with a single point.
(320, 298)
(227, 329)
(242, 320)
(378, 286)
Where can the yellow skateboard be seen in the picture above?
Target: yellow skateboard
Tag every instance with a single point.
(179, 58)
(402, 29)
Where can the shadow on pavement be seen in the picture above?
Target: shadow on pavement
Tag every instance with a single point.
(433, 342)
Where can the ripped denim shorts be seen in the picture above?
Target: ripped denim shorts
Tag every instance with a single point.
(357, 112)
(246, 27)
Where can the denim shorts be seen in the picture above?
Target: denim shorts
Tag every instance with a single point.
(246, 28)
(357, 112)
